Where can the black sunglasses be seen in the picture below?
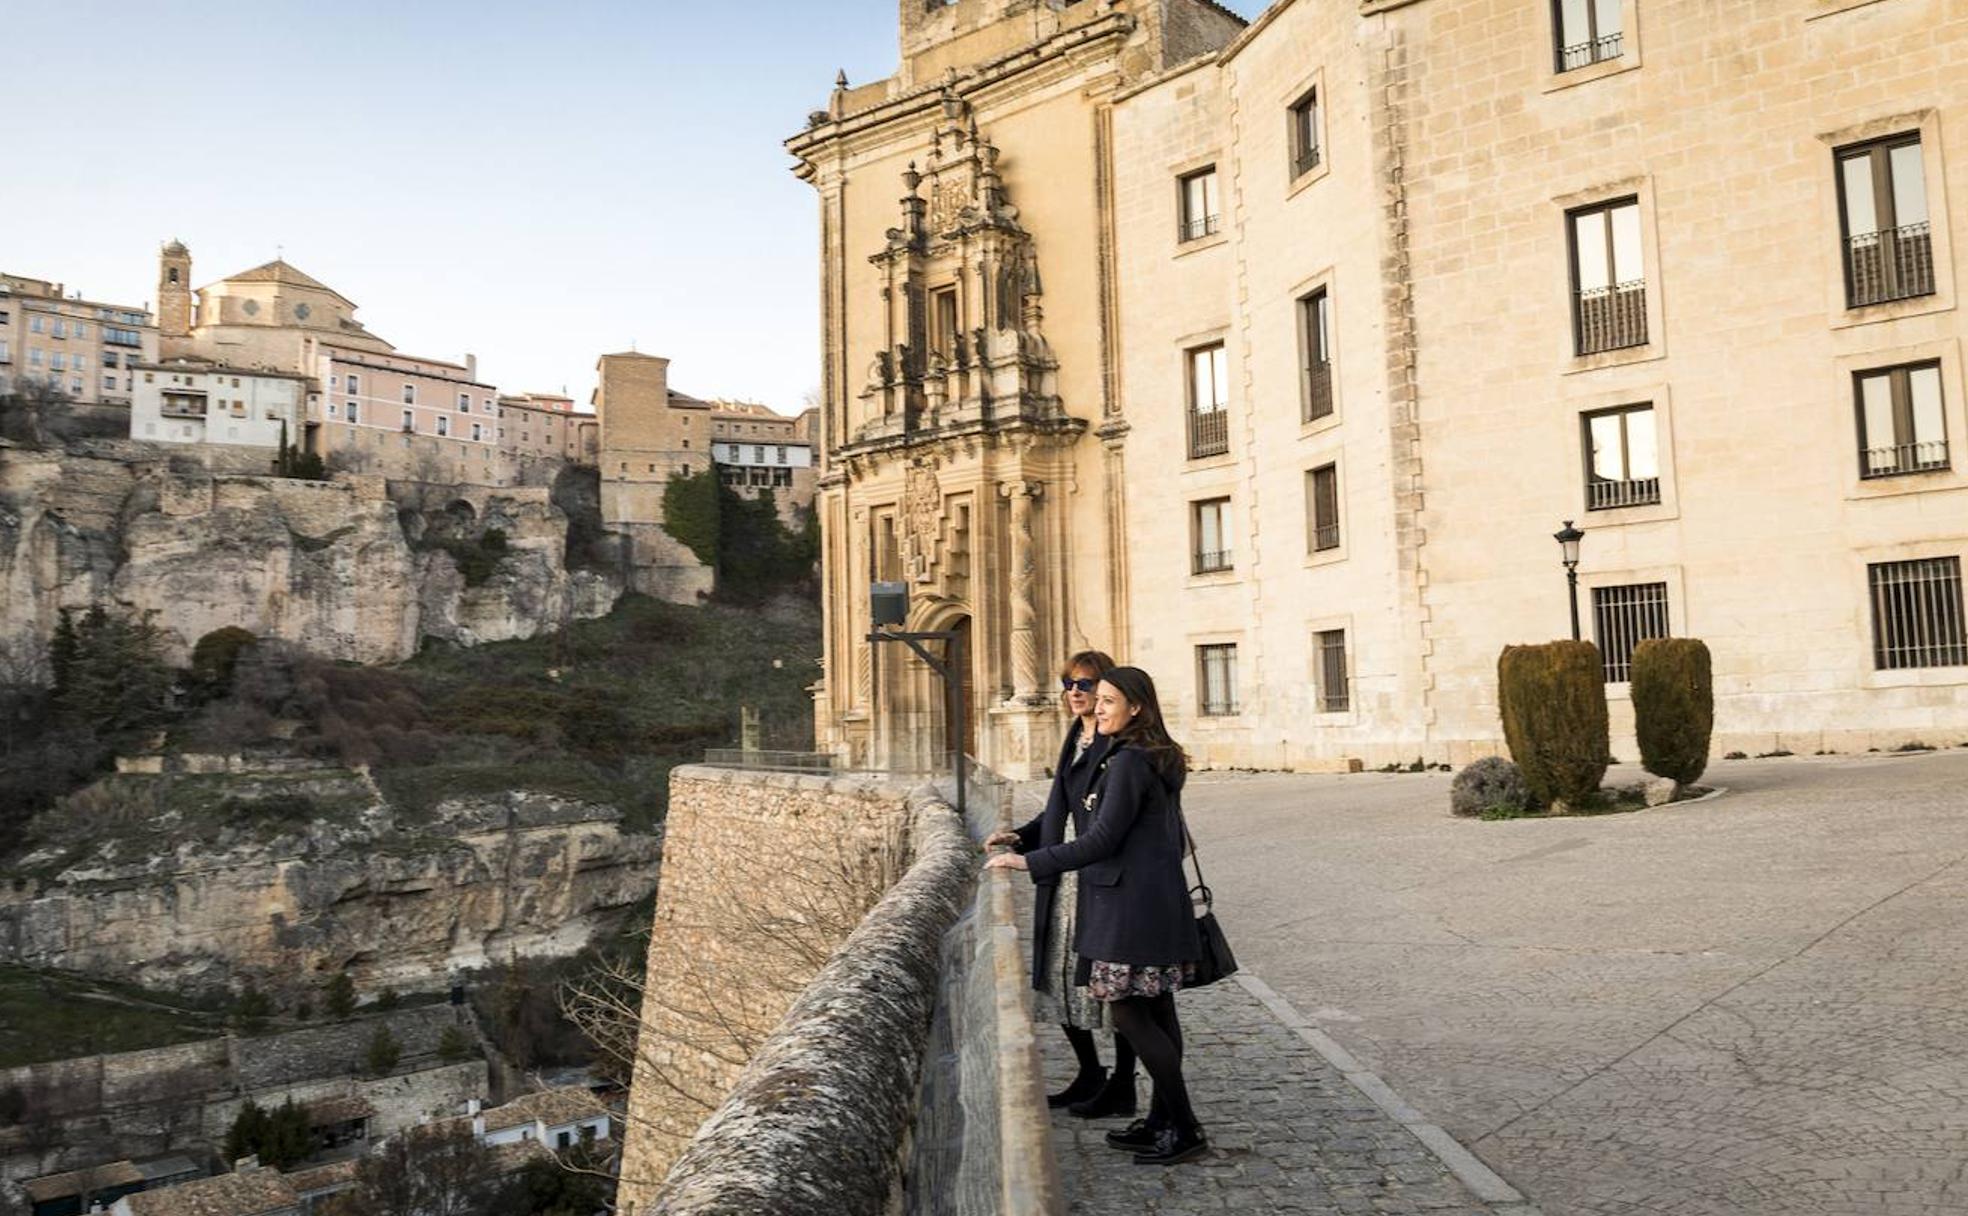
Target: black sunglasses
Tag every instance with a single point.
(1069, 684)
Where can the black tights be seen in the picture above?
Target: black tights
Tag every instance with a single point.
(1089, 1056)
(1149, 1023)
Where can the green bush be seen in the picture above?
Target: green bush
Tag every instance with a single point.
(383, 1052)
(1490, 784)
(1553, 701)
(1673, 706)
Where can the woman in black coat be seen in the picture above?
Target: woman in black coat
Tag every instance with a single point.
(1058, 973)
(1138, 933)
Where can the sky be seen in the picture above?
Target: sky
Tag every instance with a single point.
(536, 184)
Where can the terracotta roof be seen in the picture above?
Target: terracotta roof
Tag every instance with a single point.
(101, 1177)
(278, 271)
(514, 1157)
(256, 1193)
(324, 1111)
(324, 1177)
(553, 1107)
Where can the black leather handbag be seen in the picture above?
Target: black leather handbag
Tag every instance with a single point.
(1217, 961)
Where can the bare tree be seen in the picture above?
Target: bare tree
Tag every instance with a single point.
(703, 1017)
(436, 1170)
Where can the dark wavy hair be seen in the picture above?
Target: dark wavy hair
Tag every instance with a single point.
(1099, 661)
(1147, 731)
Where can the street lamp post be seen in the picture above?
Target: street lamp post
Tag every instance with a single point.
(889, 605)
(1568, 539)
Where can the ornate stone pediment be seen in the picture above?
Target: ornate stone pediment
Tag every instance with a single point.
(966, 350)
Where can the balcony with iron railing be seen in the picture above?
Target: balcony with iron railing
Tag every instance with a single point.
(1209, 432)
(1925, 456)
(1612, 318)
(1210, 561)
(176, 405)
(1609, 495)
(1591, 51)
(1318, 392)
(1198, 227)
(1891, 264)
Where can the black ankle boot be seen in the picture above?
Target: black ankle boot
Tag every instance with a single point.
(1115, 1098)
(1084, 1086)
(1137, 1137)
(1174, 1146)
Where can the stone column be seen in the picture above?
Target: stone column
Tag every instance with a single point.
(1024, 591)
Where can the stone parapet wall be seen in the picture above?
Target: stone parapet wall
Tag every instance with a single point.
(816, 1120)
(763, 876)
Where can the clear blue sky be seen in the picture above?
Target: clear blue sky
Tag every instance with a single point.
(533, 183)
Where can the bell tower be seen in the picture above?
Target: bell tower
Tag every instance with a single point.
(174, 291)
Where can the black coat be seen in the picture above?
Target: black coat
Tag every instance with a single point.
(1134, 899)
(1070, 783)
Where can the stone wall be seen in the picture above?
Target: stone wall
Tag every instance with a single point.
(764, 875)
(184, 1098)
(816, 1120)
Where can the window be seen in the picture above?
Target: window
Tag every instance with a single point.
(121, 337)
(1209, 395)
(59, 361)
(1609, 281)
(34, 356)
(1902, 428)
(355, 384)
(61, 328)
(942, 324)
(781, 455)
(81, 329)
(409, 394)
(1322, 507)
(1622, 458)
(1201, 216)
(109, 358)
(36, 323)
(758, 455)
(6, 318)
(1216, 680)
(1916, 614)
(1624, 617)
(444, 424)
(354, 412)
(1209, 536)
(1315, 344)
(4, 356)
(464, 403)
(1305, 134)
(782, 477)
(1334, 695)
(1882, 204)
(563, 1139)
(409, 420)
(109, 380)
(1588, 32)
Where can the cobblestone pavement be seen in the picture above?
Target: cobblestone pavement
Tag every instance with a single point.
(1288, 1132)
(1754, 1005)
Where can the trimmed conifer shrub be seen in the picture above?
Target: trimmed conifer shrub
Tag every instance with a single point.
(1553, 701)
(1673, 706)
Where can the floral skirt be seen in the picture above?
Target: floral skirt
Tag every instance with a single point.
(1059, 998)
(1119, 981)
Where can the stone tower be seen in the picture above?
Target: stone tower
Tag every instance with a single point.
(174, 291)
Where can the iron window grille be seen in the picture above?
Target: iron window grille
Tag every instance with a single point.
(1624, 617)
(1315, 340)
(1209, 392)
(1305, 134)
(1209, 525)
(1335, 697)
(1323, 491)
(1882, 210)
(1916, 614)
(1216, 671)
(1609, 284)
(1587, 32)
(1902, 421)
(1201, 214)
(1622, 458)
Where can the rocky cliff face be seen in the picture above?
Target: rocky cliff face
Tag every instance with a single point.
(397, 904)
(327, 565)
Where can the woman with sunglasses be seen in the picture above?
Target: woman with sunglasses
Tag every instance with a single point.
(1058, 973)
(1137, 929)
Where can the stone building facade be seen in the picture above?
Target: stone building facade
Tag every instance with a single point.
(86, 349)
(191, 401)
(1349, 310)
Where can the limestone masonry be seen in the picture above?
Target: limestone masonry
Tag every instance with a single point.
(1271, 358)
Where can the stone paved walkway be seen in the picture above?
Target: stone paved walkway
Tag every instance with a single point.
(1289, 1133)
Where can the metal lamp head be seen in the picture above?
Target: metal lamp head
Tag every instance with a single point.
(888, 604)
(1568, 539)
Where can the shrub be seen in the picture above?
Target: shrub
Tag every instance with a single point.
(1673, 706)
(1490, 784)
(383, 1052)
(453, 1045)
(1553, 702)
(340, 995)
